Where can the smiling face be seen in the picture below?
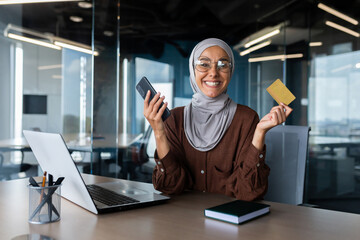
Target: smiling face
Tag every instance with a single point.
(213, 82)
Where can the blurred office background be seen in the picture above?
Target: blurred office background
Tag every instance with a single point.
(72, 66)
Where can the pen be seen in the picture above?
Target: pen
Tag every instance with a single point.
(50, 183)
(33, 182)
(50, 180)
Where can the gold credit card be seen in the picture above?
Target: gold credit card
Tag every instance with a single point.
(280, 92)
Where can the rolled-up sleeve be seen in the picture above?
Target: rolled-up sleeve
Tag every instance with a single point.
(249, 179)
(170, 175)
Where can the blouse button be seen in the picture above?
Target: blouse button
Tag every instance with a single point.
(162, 170)
(258, 165)
(261, 156)
(202, 171)
(159, 162)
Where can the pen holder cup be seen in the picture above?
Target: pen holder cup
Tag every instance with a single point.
(44, 204)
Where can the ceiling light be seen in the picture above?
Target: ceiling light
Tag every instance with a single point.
(337, 14)
(76, 19)
(49, 67)
(265, 36)
(85, 5)
(260, 36)
(53, 41)
(6, 2)
(342, 68)
(76, 48)
(281, 57)
(341, 28)
(109, 33)
(254, 48)
(33, 41)
(56, 76)
(296, 55)
(315, 44)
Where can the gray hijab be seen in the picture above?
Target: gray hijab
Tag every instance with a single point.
(206, 119)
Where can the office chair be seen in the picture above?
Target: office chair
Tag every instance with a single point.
(136, 155)
(286, 154)
(138, 149)
(7, 172)
(1, 162)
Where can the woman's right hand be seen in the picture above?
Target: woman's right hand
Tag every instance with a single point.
(153, 114)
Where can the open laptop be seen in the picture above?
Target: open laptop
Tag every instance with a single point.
(53, 156)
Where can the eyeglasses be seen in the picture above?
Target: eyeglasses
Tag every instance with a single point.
(204, 65)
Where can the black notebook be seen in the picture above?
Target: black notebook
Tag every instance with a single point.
(237, 211)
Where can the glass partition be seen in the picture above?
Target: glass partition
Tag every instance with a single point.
(332, 111)
(53, 80)
(323, 75)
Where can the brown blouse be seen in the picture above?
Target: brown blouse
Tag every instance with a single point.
(234, 167)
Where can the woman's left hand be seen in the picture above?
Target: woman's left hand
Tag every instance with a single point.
(276, 116)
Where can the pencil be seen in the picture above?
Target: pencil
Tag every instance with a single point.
(43, 185)
(44, 180)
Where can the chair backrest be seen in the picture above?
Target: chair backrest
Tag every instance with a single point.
(141, 155)
(146, 139)
(1, 160)
(286, 154)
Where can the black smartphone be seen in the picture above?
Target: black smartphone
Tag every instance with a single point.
(142, 87)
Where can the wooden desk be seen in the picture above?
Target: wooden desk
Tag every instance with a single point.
(181, 218)
(76, 143)
(14, 144)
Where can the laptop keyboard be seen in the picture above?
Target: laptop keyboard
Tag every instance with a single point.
(108, 197)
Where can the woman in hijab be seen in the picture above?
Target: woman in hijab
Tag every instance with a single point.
(212, 144)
